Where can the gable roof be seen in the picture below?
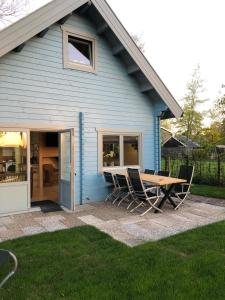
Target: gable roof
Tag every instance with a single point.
(34, 23)
(165, 135)
(188, 142)
(173, 142)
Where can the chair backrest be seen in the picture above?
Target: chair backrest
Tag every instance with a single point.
(163, 173)
(122, 181)
(186, 172)
(6, 256)
(109, 177)
(135, 180)
(148, 171)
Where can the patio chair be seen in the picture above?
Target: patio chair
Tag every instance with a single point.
(6, 256)
(163, 173)
(181, 191)
(111, 185)
(148, 171)
(126, 191)
(145, 196)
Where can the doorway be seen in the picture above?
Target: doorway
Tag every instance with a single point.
(51, 176)
(44, 164)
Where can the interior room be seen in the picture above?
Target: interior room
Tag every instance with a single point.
(44, 160)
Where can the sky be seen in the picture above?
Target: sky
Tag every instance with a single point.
(178, 35)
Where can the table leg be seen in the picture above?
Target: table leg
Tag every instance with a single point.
(166, 196)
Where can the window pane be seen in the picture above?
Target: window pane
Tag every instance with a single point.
(80, 51)
(111, 156)
(130, 144)
(13, 156)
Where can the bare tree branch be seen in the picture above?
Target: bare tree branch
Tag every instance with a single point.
(11, 8)
(139, 42)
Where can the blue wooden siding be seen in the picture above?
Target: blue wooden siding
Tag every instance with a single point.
(36, 89)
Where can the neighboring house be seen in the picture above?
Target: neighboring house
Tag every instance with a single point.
(77, 97)
(165, 135)
(176, 146)
(180, 142)
(189, 143)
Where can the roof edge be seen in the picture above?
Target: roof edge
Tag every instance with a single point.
(111, 19)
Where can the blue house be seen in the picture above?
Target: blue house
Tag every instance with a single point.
(77, 97)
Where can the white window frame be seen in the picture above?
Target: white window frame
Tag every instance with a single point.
(121, 134)
(69, 31)
(9, 129)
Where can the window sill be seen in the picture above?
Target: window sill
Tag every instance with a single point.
(83, 68)
(15, 183)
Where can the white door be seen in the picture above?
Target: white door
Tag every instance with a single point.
(66, 163)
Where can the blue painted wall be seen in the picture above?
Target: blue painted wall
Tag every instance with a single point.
(36, 89)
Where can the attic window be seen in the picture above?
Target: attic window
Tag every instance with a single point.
(79, 51)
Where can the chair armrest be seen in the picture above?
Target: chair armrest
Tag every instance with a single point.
(185, 184)
(149, 189)
(153, 188)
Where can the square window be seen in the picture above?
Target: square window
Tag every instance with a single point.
(78, 51)
(118, 149)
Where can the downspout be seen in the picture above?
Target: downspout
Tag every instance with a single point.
(81, 125)
(157, 143)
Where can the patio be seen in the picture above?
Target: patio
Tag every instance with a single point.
(123, 226)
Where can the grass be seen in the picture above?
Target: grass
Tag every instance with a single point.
(84, 263)
(208, 191)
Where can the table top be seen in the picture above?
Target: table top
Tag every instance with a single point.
(155, 179)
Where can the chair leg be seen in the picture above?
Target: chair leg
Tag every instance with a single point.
(181, 201)
(145, 212)
(110, 195)
(136, 207)
(152, 205)
(178, 205)
(130, 204)
(123, 198)
(117, 197)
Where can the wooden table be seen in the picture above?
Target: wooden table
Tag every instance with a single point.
(159, 181)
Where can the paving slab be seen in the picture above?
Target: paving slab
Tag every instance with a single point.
(3, 229)
(33, 230)
(129, 228)
(91, 220)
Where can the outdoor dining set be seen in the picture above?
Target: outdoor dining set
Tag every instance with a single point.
(148, 189)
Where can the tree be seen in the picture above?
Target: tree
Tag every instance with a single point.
(215, 133)
(210, 136)
(139, 42)
(221, 111)
(11, 8)
(191, 122)
(221, 106)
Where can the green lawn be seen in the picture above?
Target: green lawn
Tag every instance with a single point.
(208, 191)
(83, 263)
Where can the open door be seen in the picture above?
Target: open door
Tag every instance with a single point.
(66, 170)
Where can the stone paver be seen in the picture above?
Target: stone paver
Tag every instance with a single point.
(33, 230)
(123, 226)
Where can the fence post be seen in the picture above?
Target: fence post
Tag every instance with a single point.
(218, 168)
